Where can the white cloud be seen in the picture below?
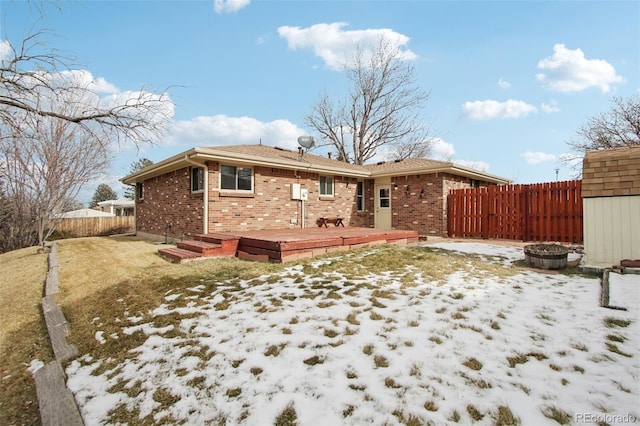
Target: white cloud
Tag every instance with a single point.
(538, 157)
(441, 150)
(504, 84)
(5, 50)
(550, 107)
(335, 45)
(223, 130)
(569, 71)
(476, 165)
(229, 6)
(489, 109)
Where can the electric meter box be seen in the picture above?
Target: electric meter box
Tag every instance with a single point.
(299, 193)
(295, 191)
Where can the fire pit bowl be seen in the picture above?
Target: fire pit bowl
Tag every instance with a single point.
(546, 256)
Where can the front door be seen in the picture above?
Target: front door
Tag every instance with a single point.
(383, 207)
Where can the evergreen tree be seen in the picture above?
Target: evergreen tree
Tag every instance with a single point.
(103, 193)
(129, 190)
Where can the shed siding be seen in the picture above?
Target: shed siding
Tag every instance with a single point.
(611, 230)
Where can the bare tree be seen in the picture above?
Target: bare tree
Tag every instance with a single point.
(46, 164)
(383, 106)
(615, 128)
(34, 84)
(57, 135)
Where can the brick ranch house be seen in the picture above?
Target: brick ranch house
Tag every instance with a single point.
(252, 187)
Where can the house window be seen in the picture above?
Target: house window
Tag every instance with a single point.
(140, 191)
(197, 179)
(234, 178)
(326, 186)
(360, 196)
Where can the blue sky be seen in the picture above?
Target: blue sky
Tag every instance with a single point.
(510, 82)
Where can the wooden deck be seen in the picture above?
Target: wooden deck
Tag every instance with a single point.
(286, 245)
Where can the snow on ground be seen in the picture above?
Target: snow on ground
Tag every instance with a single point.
(340, 350)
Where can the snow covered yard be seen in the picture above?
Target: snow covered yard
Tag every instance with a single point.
(329, 343)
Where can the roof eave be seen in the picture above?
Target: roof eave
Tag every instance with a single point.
(451, 168)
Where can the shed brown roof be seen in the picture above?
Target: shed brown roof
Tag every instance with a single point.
(611, 172)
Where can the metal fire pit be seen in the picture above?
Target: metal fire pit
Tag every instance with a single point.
(546, 256)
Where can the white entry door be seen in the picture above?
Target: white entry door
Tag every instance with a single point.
(383, 207)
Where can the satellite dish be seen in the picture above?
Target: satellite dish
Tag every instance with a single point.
(306, 141)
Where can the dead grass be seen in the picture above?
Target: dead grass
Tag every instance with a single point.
(23, 334)
(104, 281)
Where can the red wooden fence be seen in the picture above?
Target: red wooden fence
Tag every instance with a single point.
(549, 211)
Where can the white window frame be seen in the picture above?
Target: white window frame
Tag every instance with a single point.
(235, 189)
(323, 187)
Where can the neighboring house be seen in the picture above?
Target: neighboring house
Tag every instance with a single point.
(611, 206)
(81, 213)
(249, 187)
(121, 207)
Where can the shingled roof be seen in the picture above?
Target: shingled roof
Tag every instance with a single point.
(611, 172)
(269, 156)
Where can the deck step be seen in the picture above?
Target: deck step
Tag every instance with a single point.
(228, 242)
(178, 254)
(204, 248)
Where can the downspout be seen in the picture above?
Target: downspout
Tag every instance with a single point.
(205, 198)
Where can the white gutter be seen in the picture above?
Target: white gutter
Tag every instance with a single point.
(205, 197)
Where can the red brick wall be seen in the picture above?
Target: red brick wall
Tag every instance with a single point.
(168, 201)
(271, 207)
(419, 202)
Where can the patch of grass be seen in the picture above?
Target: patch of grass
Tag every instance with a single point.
(410, 420)
(287, 417)
(330, 333)
(578, 369)
(479, 383)
(473, 364)
(495, 325)
(435, 339)
(474, 413)
(554, 413)
(286, 330)
(274, 350)
(348, 411)
(368, 350)
(164, 397)
(616, 338)
(522, 358)
(352, 318)
(457, 296)
(441, 310)
(256, 371)
(314, 360)
(431, 406)
(380, 361)
(454, 417)
(351, 375)
(504, 417)
(458, 315)
(413, 323)
(390, 383)
(375, 316)
(234, 392)
(555, 367)
(237, 362)
(612, 347)
(616, 322)
(580, 347)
